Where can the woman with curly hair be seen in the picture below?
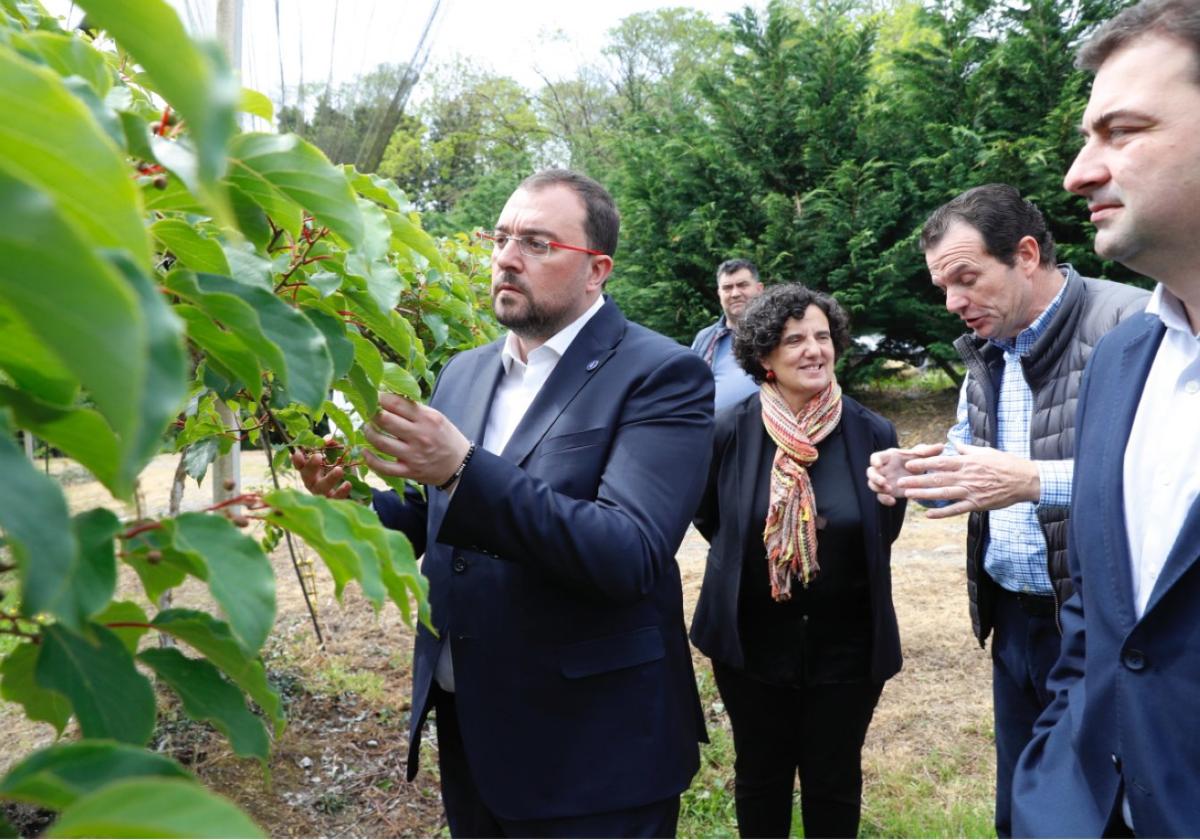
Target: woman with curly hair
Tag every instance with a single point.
(796, 607)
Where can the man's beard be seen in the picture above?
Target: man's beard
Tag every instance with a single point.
(533, 322)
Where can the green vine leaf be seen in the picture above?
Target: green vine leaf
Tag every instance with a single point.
(129, 613)
(153, 808)
(82, 310)
(17, 684)
(237, 571)
(259, 104)
(192, 249)
(33, 514)
(95, 578)
(282, 338)
(207, 696)
(96, 674)
(65, 152)
(224, 348)
(57, 776)
(80, 433)
(32, 366)
(341, 349)
(69, 55)
(213, 639)
(194, 78)
(355, 546)
(266, 164)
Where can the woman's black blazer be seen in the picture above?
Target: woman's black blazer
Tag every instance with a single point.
(741, 451)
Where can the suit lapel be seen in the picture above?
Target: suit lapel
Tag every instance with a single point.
(1119, 402)
(482, 380)
(587, 354)
(856, 431)
(1183, 554)
(751, 441)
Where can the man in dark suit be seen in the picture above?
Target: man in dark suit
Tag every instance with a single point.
(1117, 752)
(562, 465)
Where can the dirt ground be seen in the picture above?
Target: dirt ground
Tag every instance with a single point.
(338, 769)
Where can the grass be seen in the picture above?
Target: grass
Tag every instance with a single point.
(706, 808)
(941, 792)
(941, 795)
(8, 603)
(910, 381)
(336, 676)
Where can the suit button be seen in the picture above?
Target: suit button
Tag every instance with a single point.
(1133, 659)
(1116, 760)
(460, 565)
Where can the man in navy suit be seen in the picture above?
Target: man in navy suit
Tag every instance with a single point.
(562, 465)
(1118, 750)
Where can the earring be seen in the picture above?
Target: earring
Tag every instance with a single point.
(770, 376)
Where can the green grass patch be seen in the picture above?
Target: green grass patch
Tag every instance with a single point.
(706, 808)
(909, 381)
(9, 603)
(335, 677)
(942, 794)
(935, 794)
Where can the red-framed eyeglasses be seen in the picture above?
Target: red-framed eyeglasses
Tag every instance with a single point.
(530, 246)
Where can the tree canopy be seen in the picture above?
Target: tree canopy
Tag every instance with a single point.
(811, 136)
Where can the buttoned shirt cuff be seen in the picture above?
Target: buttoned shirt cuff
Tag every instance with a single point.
(1055, 477)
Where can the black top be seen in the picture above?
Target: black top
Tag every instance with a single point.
(823, 634)
(731, 515)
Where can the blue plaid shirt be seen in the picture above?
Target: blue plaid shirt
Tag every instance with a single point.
(1016, 551)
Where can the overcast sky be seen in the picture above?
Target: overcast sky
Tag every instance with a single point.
(345, 38)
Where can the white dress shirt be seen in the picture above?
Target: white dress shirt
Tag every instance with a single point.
(524, 379)
(517, 389)
(1162, 480)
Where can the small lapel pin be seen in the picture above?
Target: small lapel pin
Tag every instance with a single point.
(593, 364)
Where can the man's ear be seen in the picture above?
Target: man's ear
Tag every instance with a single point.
(601, 267)
(1029, 254)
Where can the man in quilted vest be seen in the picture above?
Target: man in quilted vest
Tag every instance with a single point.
(1009, 458)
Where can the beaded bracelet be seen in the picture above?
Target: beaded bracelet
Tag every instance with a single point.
(458, 472)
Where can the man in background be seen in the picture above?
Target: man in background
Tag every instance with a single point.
(737, 285)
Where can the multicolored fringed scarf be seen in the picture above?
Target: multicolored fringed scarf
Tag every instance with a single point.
(791, 531)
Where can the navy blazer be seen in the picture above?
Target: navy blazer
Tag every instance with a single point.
(1127, 690)
(552, 571)
(725, 520)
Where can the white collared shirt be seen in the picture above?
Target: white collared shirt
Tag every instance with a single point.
(1161, 476)
(516, 392)
(523, 380)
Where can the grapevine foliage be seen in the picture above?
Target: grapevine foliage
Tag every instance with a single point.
(158, 265)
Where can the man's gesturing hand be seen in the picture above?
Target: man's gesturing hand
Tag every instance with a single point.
(425, 445)
(978, 478)
(888, 466)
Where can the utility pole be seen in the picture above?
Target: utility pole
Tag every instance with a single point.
(229, 31)
(227, 469)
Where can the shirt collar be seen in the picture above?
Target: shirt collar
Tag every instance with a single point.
(556, 345)
(1027, 337)
(1169, 309)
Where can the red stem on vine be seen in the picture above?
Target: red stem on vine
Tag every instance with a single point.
(351, 318)
(140, 529)
(251, 500)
